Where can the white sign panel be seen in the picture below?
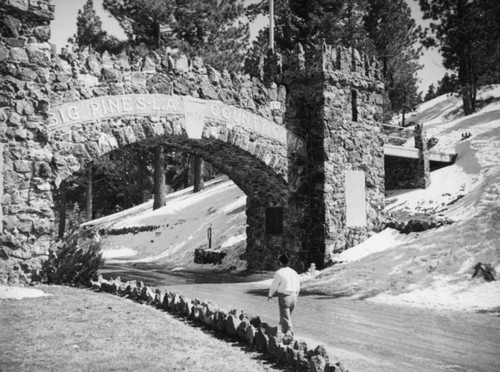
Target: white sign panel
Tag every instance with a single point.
(194, 111)
(355, 198)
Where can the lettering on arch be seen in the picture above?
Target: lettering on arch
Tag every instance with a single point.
(195, 111)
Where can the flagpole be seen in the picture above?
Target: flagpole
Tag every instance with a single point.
(271, 25)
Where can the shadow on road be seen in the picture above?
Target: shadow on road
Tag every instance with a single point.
(154, 275)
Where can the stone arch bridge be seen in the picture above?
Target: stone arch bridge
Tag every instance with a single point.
(300, 138)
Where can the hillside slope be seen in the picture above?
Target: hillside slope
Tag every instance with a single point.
(430, 269)
(179, 228)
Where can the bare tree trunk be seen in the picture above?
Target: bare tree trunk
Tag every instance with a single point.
(465, 87)
(190, 171)
(88, 199)
(62, 211)
(187, 170)
(159, 177)
(198, 183)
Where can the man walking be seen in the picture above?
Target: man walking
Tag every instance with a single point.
(286, 283)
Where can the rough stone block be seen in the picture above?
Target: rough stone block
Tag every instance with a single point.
(291, 357)
(110, 74)
(21, 5)
(12, 24)
(214, 76)
(182, 64)
(4, 53)
(176, 304)
(148, 65)
(106, 60)
(208, 319)
(39, 53)
(42, 33)
(198, 312)
(320, 350)
(250, 334)
(241, 330)
(220, 320)
(317, 363)
(232, 323)
(261, 341)
(135, 293)
(19, 55)
(273, 346)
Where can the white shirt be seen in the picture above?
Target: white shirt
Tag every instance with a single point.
(286, 281)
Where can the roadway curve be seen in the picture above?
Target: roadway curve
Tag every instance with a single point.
(365, 336)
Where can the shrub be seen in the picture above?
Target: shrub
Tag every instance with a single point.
(73, 263)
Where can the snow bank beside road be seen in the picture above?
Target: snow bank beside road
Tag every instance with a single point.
(443, 295)
(388, 238)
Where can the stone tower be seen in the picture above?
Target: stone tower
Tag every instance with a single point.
(333, 99)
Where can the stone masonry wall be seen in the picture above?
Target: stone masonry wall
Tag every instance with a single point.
(25, 58)
(342, 136)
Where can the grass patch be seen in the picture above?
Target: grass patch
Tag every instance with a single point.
(79, 330)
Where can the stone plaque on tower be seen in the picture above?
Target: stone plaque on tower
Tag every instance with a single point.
(355, 198)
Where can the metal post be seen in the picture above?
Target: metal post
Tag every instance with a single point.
(209, 236)
(271, 25)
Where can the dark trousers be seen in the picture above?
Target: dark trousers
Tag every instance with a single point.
(286, 304)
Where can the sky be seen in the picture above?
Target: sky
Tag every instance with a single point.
(64, 26)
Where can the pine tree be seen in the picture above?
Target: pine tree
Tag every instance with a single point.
(401, 87)
(89, 32)
(211, 29)
(448, 84)
(468, 36)
(394, 35)
(431, 93)
(311, 22)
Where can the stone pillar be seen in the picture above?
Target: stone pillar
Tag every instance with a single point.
(422, 171)
(25, 59)
(262, 246)
(1, 188)
(334, 96)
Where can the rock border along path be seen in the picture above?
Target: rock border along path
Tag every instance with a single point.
(295, 355)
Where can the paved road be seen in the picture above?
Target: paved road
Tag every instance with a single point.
(363, 335)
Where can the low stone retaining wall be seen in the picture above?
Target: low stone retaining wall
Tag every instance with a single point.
(295, 355)
(416, 225)
(128, 230)
(207, 256)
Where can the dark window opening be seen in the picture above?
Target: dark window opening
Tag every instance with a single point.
(354, 103)
(274, 220)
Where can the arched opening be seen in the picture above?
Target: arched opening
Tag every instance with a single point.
(256, 168)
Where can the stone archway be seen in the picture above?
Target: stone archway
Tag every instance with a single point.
(251, 150)
(306, 126)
